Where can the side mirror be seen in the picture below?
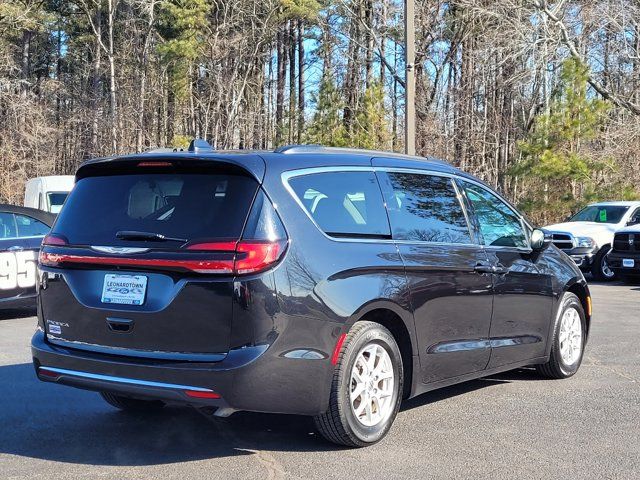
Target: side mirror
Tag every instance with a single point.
(540, 239)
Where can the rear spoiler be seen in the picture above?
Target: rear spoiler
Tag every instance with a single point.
(160, 162)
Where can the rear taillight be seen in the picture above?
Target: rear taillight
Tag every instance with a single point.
(51, 259)
(250, 255)
(245, 256)
(55, 240)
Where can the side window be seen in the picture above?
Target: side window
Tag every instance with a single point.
(425, 208)
(7, 225)
(634, 219)
(343, 204)
(30, 227)
(498, 224)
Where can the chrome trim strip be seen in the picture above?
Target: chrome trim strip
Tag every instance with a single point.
(482, 343)
(131, 381)
(286, 176)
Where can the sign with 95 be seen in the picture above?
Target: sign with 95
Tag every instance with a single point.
(17, 269)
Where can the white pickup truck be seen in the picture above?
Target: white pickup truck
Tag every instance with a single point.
(587, 236)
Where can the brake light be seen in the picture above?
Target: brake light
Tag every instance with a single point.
(199, 266)
(155, 164)
(55, 240)
(259, 255)
(250, 255)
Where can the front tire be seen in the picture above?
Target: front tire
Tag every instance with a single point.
(131, 404)
(568, 340)
(600, 268)
(366, 388)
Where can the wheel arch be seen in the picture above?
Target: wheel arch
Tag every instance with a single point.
(581, 291)
(395, 319)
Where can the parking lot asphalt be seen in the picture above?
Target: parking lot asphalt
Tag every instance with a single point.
(512, 425)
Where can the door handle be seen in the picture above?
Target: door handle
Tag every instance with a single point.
(500, 270)
(15, 248)
(486, 268)
(483, 268)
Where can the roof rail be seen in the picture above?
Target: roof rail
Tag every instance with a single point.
(160, 150)
(199, 145)
(299, 148)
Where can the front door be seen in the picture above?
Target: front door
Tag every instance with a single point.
(446, 272)
(523, 298)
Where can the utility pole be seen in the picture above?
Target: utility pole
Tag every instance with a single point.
(410, 78)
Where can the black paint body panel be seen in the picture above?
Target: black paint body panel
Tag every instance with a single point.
(276, 331)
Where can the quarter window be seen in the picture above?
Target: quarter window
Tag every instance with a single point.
(498, 224)
(343, 204)
(425, 208)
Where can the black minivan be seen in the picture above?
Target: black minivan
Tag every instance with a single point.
(310, 280)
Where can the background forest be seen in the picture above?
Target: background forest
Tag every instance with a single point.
(540, 99)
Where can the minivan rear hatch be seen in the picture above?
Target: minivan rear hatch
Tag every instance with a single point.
(142, 259)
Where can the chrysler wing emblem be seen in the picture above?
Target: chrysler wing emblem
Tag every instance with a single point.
(119, 250)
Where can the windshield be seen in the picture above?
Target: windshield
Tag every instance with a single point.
(600, 214)
(179, 205)
(56, 200)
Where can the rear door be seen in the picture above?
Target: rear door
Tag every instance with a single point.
(451, 294)
(20, 238)
(140, 261)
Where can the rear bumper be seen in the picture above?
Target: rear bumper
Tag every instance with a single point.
(247, 379)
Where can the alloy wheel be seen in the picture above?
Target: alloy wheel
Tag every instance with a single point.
(570, 336)
(372, 385)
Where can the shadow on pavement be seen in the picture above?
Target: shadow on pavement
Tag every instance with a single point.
(57, 423)
(21, 312)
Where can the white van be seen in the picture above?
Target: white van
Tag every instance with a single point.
(48, 193)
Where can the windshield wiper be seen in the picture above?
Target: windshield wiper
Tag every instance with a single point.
(151, 236)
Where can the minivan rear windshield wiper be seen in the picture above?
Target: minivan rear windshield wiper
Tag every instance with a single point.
(154, 237)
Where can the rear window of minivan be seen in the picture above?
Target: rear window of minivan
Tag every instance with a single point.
(180, 205)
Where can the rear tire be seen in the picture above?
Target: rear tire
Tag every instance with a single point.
(568, 340)
(131, 404)
(600, 268)
(366, 389)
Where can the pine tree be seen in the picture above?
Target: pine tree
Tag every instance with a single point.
(557, 155)
(371, 129)
(326, 127)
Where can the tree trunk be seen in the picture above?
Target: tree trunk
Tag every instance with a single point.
(300, 80)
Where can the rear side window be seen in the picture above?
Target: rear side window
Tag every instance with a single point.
(181, 205)
(425, 208)
(7, 225)
(343, 204)
(30, 227)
